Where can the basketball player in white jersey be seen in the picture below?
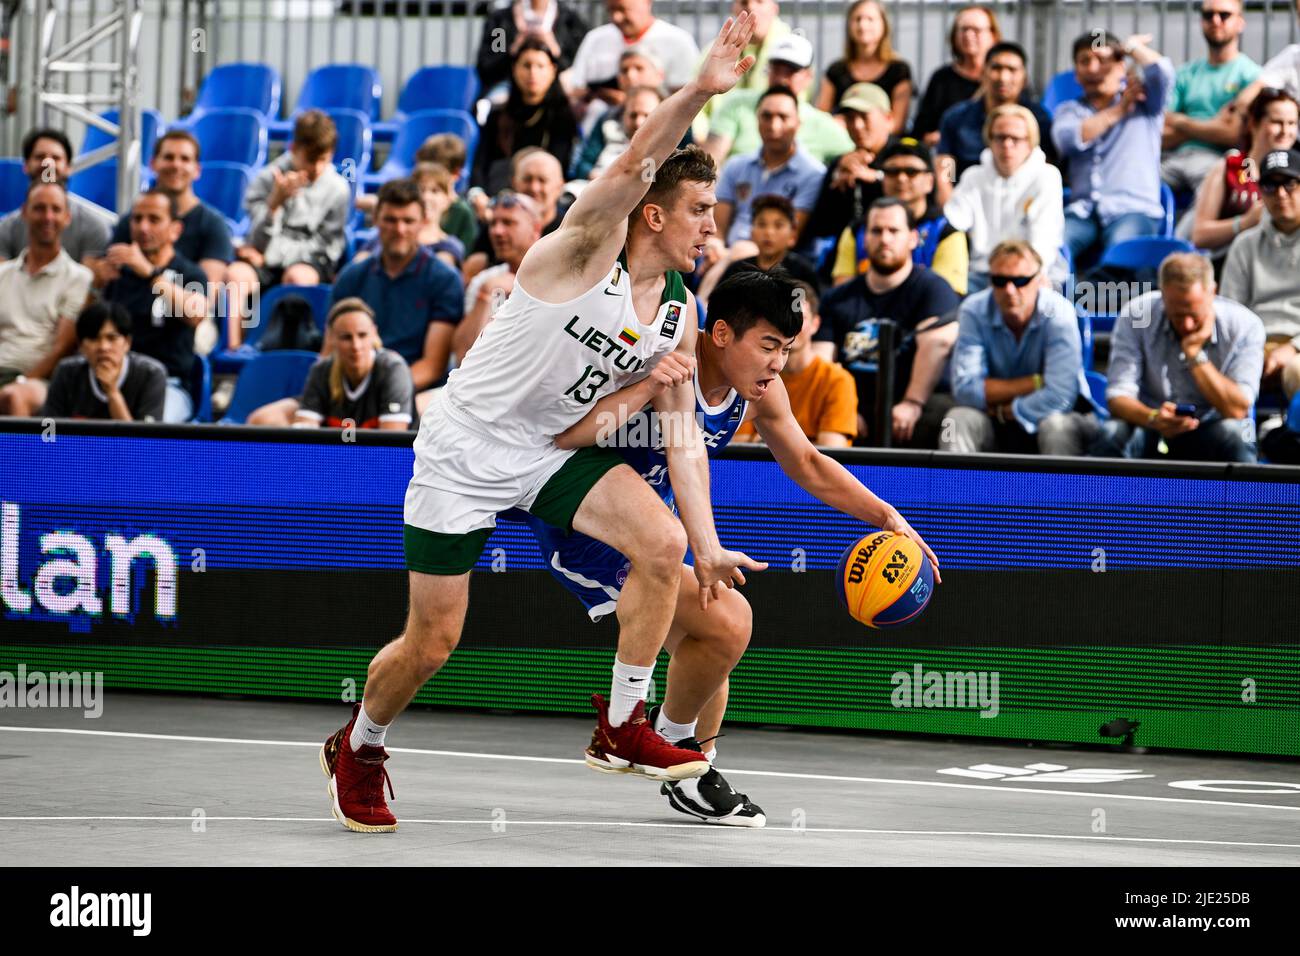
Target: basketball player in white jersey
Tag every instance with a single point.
(596, 306)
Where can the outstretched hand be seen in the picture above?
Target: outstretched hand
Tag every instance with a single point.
(723, 67)
(722, 570)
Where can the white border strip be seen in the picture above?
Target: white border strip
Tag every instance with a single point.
(732, 771)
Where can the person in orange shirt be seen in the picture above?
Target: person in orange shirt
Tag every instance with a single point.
(823, 395)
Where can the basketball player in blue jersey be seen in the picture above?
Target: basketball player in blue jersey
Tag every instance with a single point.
(753, 320)
(596, 306)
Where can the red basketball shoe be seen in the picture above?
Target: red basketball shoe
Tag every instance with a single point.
(634, 747)
(356, 782)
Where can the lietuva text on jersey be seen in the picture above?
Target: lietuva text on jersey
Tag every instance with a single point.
(538, 366)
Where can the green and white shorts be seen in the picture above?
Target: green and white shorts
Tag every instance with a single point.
(464, 478)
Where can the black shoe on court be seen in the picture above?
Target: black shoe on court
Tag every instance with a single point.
(710, 798)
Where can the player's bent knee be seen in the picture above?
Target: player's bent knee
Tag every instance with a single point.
(660, 547)
(429, 646)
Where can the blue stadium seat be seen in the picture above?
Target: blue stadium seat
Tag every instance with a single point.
(1144, 254)
(231, 134)
(1168, 204)
(13, 185)
(431, 87)
(255, 86)
(201, 389)
(268, 377)
(151, 123)
(354, 143)
(417, 128)
(1097, 386)
(97, 184)
(1085, 337)
(232, 360)
(1063, 86)
(222, 186)
(336, 86)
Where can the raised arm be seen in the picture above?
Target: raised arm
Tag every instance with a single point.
(595, 227)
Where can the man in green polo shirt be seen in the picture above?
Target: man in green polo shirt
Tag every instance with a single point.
(734, 128)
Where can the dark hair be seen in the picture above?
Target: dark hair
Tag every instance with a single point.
(315, 133)
(173, 206)
(689, 165)
(1265, 98)
(889, 202)
(551, 120)
(1007, 46)
(748, 297)
(178, 134)
(92, 319)
(1085, 41)
(771, 201)
(44, 132)
(779, 90)
(399, 192)
(445, 148)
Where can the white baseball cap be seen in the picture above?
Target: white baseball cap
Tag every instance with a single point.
(793, 49)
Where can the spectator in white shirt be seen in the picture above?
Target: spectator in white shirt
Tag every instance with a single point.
(594, 74)
(1014, 193)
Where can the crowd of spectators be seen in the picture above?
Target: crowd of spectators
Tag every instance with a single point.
(964, 225)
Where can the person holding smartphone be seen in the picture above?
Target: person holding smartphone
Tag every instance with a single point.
(1185, 367)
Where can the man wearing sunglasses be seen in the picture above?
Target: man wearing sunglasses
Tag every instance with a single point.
(1017, 367)
(1202, 122)
(1184, 371)
(1262, 271)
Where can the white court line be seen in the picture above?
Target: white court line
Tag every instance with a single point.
(731, 771)
(668, 826)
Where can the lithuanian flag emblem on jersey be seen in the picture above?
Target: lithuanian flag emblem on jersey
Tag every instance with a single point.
(628, 337)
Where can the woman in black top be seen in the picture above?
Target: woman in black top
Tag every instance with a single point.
(973, 33)
(537, 113)
(506, 28)
(868, 58)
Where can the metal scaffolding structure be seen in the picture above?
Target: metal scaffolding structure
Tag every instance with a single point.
(54, 62)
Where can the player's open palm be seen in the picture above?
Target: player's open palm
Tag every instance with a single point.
(722, 570)
(723, 67)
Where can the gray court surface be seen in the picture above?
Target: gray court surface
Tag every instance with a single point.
(176, 780)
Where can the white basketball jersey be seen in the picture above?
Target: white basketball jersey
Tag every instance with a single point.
(538, 367)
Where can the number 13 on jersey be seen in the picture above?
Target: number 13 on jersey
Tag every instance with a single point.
(585, 388)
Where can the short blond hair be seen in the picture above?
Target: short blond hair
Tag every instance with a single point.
(1021, 112)
(1186, 269)
(1015, 247)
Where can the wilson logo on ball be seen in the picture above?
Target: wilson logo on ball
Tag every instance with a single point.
(885, 580)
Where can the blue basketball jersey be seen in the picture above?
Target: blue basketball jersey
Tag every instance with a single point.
(592, 570)
(641, 444)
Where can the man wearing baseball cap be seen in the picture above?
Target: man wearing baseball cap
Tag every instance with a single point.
(1262, 271)
(909, 175)
(734, 127)
(852, 182)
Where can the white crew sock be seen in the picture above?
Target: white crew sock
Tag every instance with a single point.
(711, 754)
(670, 731)
(365, 732)
(630, 686)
